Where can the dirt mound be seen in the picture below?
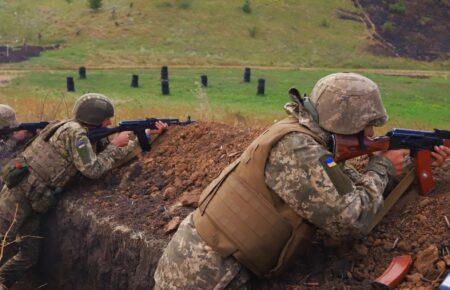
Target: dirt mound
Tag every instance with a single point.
(109, 234)
(146, 194)
(21, 53)
(416, 29)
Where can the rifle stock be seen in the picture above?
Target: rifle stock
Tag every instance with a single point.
(348, 146)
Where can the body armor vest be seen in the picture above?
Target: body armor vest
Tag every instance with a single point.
(239, 215)
(46, 162)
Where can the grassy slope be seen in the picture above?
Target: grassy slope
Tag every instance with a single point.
(411, 102)
(287, 33)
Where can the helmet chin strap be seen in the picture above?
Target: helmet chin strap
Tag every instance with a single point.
(310, 108)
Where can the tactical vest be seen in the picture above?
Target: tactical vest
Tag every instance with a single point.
(239, 215)
(46, 162)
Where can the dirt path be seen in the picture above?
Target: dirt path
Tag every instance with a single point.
(395, 72)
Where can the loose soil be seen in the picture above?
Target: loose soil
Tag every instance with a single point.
(125, 220)
(21, 53)
(416, 29)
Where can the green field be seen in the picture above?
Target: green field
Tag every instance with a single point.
(411, 102)
(142, 33)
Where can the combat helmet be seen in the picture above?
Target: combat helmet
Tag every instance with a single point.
(93, 109)
(7, 117)
(346, 103)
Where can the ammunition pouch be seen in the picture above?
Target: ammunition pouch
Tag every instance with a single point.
(14, 172)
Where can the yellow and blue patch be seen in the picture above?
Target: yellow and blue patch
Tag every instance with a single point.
(80, 144)
(330, 162)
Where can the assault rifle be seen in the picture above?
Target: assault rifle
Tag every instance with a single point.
(138, 127)
(420, 144)
(30, 127)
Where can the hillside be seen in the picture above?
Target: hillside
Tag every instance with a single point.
(134, 33)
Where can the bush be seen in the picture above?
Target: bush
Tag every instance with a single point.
(184, 5)
(398, 7)
(246, 7)
(325, 23)
(95, 4)
(387, 27)
(164, 4)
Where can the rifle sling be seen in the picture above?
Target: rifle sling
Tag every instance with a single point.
(393, 197)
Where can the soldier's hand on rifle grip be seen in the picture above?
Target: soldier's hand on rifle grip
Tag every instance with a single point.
(397, 157)
(440, 154)
(121, 139)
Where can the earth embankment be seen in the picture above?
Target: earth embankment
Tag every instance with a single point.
(109, 234)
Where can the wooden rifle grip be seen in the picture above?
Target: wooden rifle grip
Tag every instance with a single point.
(423, 172)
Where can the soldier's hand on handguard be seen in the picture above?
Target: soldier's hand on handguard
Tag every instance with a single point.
(121, 139)
(398, 158)
(161, 127)
(21, 135)
(440, 155)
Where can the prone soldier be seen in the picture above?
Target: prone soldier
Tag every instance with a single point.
(262, 211)
(39, 174)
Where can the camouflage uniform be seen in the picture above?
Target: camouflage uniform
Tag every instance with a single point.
(343, 207)
(32, 196)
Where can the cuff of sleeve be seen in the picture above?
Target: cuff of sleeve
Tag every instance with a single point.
(381, 165)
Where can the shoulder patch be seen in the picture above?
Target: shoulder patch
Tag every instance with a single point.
(84, 150)
(339, 179)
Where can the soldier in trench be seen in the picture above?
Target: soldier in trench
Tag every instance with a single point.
(14, 143)
(261, 212)
(36, 177)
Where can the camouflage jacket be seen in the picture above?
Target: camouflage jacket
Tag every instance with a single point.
(340, 201)
(54, 163)
(71, 142)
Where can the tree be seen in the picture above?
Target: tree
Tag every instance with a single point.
(95, 4)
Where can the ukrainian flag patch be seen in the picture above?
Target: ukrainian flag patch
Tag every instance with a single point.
(81, 144)
(330, 162)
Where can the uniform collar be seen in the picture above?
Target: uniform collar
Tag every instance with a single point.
(305, 119)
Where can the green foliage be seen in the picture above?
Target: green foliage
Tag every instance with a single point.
(246, 7)
(398, 7)
(184, 4)
(94, 4)
(387, 27)
(165, 4)
(324, 23)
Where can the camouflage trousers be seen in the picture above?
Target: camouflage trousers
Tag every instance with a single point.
(189, 263)
(22, 244)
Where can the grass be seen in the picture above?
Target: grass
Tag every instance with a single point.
(411, 102)
(289, 33)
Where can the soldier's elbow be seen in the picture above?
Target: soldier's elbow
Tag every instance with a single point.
(92, 174)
